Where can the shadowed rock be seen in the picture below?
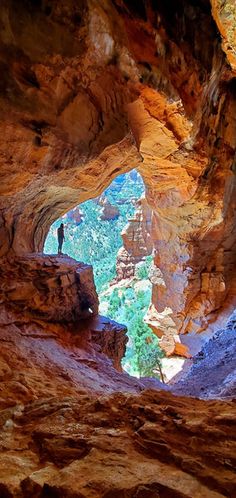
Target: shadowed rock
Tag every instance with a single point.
(54, 288)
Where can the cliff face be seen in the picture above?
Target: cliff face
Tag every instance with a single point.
(52, 288)
(137, 241)
(109, 212)
(93, 89)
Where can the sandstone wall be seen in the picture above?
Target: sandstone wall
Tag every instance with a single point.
(52, 288)
(93, 89)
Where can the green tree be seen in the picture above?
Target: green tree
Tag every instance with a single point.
(114, 304)
(96, 242)
(144, 268)
(149, 363)
(143, 353)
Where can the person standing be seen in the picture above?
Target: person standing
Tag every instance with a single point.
(60, 237)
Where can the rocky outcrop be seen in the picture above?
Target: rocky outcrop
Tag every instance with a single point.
(110, 338)
(39, 357)
(225, 17)
(61, 402)
(109, 211)
(190, 234)
(94, 89)
(212, 371)
(137, 241)
(71, 425)
(91, 90)
(75, 216)
(128, 455)
(163, 327)
(53, 288)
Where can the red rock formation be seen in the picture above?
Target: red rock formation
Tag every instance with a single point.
(54, 288)
(137, 241)
(225, 17)
(109, 212)
(72, 425)
(57, 408)
(92, 90)
(110, 338)
(75, 215)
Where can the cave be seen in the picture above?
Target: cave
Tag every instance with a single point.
(89, 91)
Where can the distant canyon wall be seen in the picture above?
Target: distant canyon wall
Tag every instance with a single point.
(137, 241)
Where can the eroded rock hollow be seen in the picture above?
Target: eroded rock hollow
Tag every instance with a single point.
(89, 90)
(93, 89)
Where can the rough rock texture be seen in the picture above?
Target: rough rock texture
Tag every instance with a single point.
(213, 370)
(110, 337)
(91, 447)
(75, 215)
(193, 237)
(109, 212)
(72, 426)
(224, 14)
(92, 89)
(163, 325)
(137, 241)
(38, 357)
(56, 288)
(89, 90)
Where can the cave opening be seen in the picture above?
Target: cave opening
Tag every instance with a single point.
(113, 234)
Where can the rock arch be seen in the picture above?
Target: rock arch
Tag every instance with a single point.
(94, 89)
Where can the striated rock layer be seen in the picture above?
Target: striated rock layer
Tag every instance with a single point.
(53, 288)
(93, 89)
(71, 425)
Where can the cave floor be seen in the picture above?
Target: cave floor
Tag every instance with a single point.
(71, 425)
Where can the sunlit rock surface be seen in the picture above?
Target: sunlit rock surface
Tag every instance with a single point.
(93, 89)
(137, 241)
(71, 425)
(224, 14)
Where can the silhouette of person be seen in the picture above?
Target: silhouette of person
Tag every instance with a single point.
(61, 237)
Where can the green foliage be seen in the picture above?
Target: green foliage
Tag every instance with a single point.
(142, 273)
(144, 268)
(149, 357)
(97, 242)
(114, 303)
(143, 355)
